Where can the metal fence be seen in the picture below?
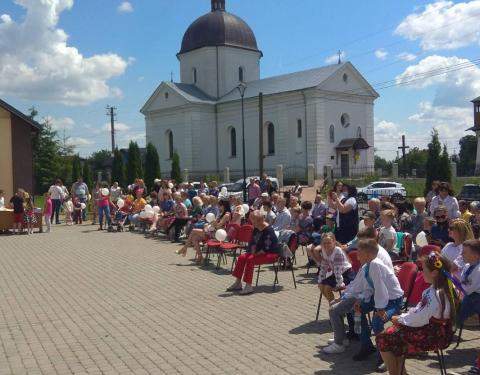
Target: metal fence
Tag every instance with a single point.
(352, 172)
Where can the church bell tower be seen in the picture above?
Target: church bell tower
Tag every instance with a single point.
(218, 5)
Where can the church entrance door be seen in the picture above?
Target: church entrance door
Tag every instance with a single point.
(345, 165)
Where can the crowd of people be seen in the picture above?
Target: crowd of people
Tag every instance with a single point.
(331, 228)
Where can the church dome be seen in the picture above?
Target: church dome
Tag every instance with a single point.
(218, 28)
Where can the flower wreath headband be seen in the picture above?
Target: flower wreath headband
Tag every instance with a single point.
(434, 259)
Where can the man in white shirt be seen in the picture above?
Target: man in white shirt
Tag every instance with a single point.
(57, 196)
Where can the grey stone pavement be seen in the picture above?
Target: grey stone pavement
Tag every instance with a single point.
(78, 301)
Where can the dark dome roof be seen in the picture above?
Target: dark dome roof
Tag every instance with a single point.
(218, 28)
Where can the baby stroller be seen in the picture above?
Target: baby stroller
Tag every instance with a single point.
(118, 221)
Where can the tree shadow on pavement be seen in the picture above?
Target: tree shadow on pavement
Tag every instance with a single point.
(317, 327)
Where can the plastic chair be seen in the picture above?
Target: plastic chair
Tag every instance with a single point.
(243, 235)
(406, 276)
(424, 251)
(353, 255)
(418, 287)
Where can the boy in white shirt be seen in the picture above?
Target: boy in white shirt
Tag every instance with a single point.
(387, 295)
(387, 236)
(358, 289)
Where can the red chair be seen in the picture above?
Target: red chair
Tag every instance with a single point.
(424, 251)
(418, 287)
(353, 255)
(406, 276)
(243, 236)
(407, 246)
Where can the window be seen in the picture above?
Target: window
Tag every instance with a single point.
(332, 134)
(166, 96)
(170, 143)
(240, 74)
(270, 139)
(195, 75)
(359, 132)
(345, 120)
(233, 142)
(299, 128)
(345, 77)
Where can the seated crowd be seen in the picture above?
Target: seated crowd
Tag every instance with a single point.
(358, 256)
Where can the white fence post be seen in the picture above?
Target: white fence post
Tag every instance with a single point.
(311, 175)
(279, 173)
(226, 175)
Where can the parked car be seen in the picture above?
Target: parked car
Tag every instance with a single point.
(236, 189)
(469, 192)
(378, 189)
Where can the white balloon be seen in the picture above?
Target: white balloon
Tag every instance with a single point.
(246, 208)
(156, 209)
(83, 206)
(220, 235)
(148, 207)
(120, 203)
(361, 225)
(170, 185)
(421, 239)
(210, 217)
(105, 191)
(149, 214)
(224, 190)
(143, 215)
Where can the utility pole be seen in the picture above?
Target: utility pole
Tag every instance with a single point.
(260, 133)
(339, 57)
(403, 148)
(111, 112)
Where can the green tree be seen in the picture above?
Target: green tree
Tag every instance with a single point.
(134, 163)
(101, 161)
(118, 168)
(467, 155)
(433, 165)
(176, 173)
(445, 173)
(46, 151)
(87, 175)
(384, 164)
(76, 168)
(415, 159)
(152, 165)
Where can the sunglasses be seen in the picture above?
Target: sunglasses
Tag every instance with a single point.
(440, 217)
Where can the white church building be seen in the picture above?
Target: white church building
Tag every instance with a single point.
(320, 117)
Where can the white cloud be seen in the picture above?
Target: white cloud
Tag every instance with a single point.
(120, 127)
(36, 63)
(455, 88)
(334, 58)
(406, 56)
(79, 141)
(125, 7)
(66, 123)
(443, 25)
(381, 54)
(443, 116)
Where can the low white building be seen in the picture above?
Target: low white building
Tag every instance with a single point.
(321, 116)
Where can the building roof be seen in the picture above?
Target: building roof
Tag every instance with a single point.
(355, 143)
(284, 83)
(191, 92)
(476, 100)
(218, 28)
(17, 113)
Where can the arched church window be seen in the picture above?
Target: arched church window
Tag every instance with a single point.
(170, 143)
(240, 74)
(299, 128)
(332, 134)
(195, 75)
(270, 139)
(359, 132)
(233, 142)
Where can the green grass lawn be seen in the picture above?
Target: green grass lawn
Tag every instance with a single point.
(39, 201)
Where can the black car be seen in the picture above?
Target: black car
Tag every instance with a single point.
(469, 192)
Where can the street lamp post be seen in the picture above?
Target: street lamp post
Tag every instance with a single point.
(241, 88)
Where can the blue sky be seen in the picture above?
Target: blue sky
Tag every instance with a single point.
(72, 58)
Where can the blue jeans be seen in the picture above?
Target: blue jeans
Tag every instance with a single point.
(101, 211)
(393, 308)
(56, 204)
(470, 306)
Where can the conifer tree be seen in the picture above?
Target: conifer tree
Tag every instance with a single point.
(118, 168)
(176, 173)
(134, 163)
(152, 166)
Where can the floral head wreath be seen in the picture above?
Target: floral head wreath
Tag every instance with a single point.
(434, 259)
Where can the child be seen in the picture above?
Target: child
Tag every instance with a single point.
(335, 259)
(269, 214)
(47, 210)
(427, 326)
(17, 202)
(314, 249)
(470, 278)
(77, 211)
(29, 217)
(369, 222)
(68, 205)
(103, 204)
(387, 235)
(2, 199)
(387, 295)
(465, 214)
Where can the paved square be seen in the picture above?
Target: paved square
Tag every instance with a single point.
(78, 301)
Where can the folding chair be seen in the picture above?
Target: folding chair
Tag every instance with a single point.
(240, 239)
(406, 276)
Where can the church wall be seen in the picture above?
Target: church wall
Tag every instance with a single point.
(230, 59)
(205, 62)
